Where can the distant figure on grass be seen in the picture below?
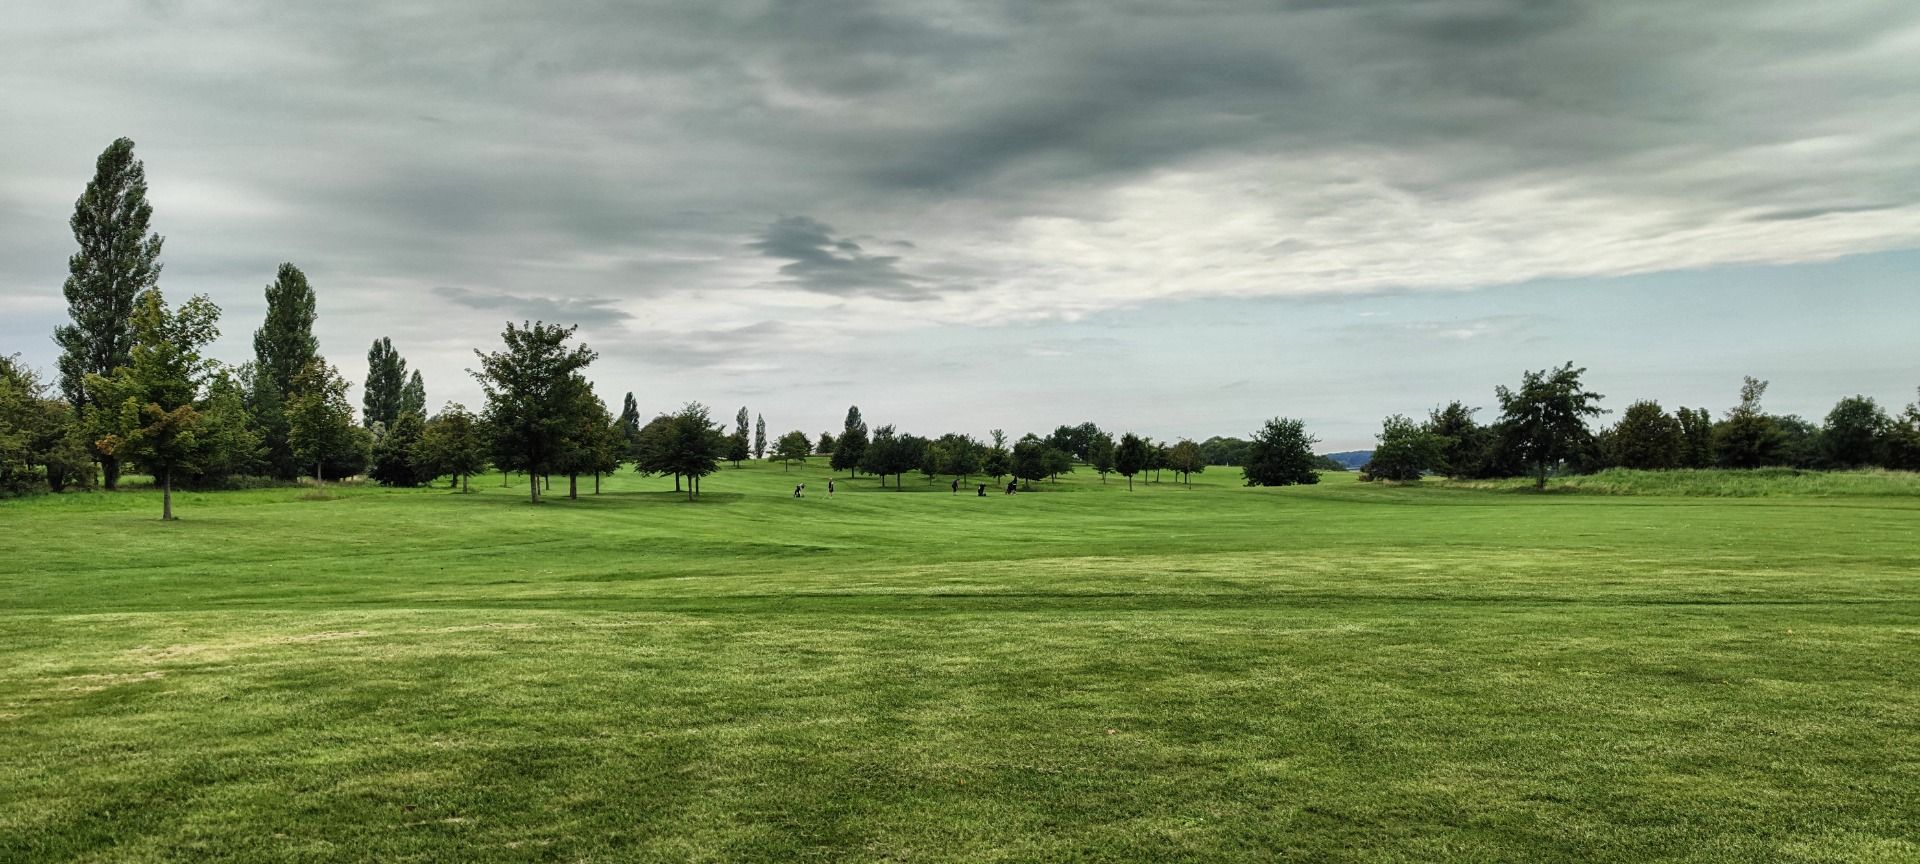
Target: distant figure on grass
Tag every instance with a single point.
(983, 490)
(829, 487)
(1013, 486)
(956, 485)
(798, 489)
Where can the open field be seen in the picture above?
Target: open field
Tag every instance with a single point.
(1342, 672)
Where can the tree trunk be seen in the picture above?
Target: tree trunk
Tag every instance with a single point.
(317, 481)
(533, 486)
(676, 483)
(596, 482)
(110, 472)
(166, 495)
(1129, 482)
(547, 482)
(463, 483)
(573, 487)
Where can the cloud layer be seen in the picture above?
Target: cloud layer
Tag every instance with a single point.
(661, 168)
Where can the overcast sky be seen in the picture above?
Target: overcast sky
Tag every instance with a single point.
(1176, 218)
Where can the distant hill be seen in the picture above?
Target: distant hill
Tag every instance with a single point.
(1351, 459)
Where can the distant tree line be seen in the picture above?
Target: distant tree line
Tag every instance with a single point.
(1545, 427)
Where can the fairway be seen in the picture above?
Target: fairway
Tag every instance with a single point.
(1344, 672)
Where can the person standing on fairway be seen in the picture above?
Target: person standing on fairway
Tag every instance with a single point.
(829, 487)
(956, 485)
(983, 490)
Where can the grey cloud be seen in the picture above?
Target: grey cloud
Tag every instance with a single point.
(821, 263)
(561, 310)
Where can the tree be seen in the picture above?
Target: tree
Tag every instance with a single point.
(1856, 433)
(1057, 462)
(531, 389)
(1903, 440)
(792, 447)
(1748, 438)
(1184, 458)
(1546, 419)
(825, 447)
(451, 444)
(1405, 451)
(1030, 459)
(397, 457)
(1100, 453)
(320, 427)
(282, 347)
(760, 437)
(852, 446)
(629, 422)
(693, 446)
(117, 261)
(1130, 457)
(1647, 438)
(153, 419)
(41, 438)
(996, 462)
(957, 454)
(738, 446)
(1281, 454)
(1696, 437)
(889, 453)
(590, 444)
(381, 395)
(230, 441)
(1465, 445)
(413, 397)
(1223, 451)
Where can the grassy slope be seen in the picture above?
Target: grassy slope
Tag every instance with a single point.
(1346, 672)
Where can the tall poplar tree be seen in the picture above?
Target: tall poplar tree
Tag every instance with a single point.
(283, 347)
(386, 379)
(851, 447)
(413, 397)
(759, 437)
(117, 260)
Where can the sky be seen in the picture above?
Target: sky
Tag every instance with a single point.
(1177, 218)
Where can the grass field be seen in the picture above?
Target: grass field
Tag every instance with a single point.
(1348, 672)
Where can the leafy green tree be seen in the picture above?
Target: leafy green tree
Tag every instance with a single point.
(1696, 437)
(320, 427)
(1405, 450)
(760, 437)
(1465, 445)
(532, 388)
(1030, 459)
(693, 446)
(888, 453)
(1157, 454)
(996, 462)
(653, 447)
(1185, 460)
(792, 447)
(155, 419)
(1903, 440)
(118, 259)
(1856, 433)
(825, 447)
(1748, 438)
(230, 439)
(1546, 419)
(383, 393)
(591, 444)
(957, 454)
(1281, 454)
(1130, 457)
(1223, 451)
(282, 347)
(851, 448)
(413, 397)
(1057, 462)
(739, 446)
(1100, 454)
(398, 456)
(452, 444)
(1647, 438)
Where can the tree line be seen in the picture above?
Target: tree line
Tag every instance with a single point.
(1545, 427)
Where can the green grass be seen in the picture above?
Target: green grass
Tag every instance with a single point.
(1761, 483)
(1349, 672)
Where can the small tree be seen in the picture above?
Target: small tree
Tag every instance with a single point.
(532, 389)
(693, 446)
(1856, 433)
(155, 421)
(760, 437)
(996, 462)
(1696, 437)
(1748, 438)
(1100, 453)
(451, 444)
(1546, 419)
(1030, 460)
(825, 447)
(851, 448)
(398, 457)
(792, 447)
(1405, 451)
(1281, 454)
(320, 428)
(1184, 459)
(1130, 457)
(740, 448)
(1647, 438)
(888, 453)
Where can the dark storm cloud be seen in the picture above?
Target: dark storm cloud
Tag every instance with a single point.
(823, 264)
